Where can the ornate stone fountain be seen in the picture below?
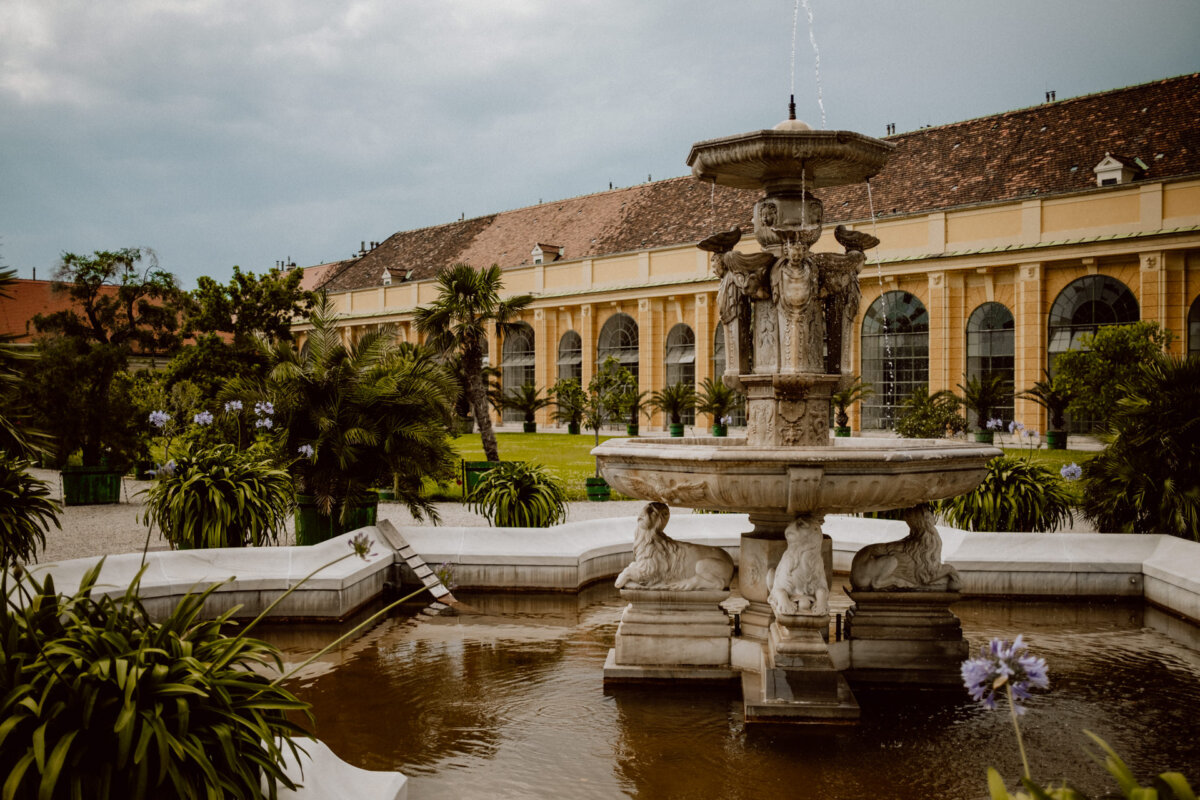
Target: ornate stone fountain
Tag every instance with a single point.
(789, 314)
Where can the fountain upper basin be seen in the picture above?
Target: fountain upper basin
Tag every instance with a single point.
(850, 475)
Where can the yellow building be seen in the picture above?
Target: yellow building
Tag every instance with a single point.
(1003, 239)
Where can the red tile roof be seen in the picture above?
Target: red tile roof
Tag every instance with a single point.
(1031, 152)
(28, 299)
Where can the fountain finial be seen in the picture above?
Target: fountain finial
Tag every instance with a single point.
(792, 106)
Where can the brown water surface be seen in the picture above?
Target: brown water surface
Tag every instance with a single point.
(510, 704)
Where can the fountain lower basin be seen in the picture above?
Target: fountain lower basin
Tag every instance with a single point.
(849, 475)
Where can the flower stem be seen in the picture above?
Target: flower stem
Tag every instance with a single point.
(1012, 710)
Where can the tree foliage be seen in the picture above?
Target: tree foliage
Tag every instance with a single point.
(467, 305)
(373, 412)
(570, 401)
(930, 416)
(1148, 478)
(1098, 375)
(116, 310)
(250, 305)
(26, 512)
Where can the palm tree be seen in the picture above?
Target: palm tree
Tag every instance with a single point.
(1053, 395)
(528, 400)
(361, 414)
(457, 321)
(844, 398)
(674, 401)
(982, 394)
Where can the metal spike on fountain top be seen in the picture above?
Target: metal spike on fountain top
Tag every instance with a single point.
(792, 106)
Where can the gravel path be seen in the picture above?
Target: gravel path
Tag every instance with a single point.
(111, 529)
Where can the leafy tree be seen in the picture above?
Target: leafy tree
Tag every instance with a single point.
(570, 401)
(243, 309)
(18, 436)
(117, 310)
(1148, 478)
(1098, 375)
(457, 322)
(982, 394)
(930, 416)
(604, 398)
(358, 415)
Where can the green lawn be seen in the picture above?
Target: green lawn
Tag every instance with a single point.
(565, 456)
(568, 458)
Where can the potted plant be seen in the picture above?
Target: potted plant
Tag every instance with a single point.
(632, 402)
(519, 495)
(606, 391)
(1053, 395)
(674, 401)
(570, 402)
(350, 417)
(845, 397)
(527, 399)
(718, 401)
(981, 395)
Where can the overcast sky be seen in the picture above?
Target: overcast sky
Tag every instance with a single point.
(222, 132)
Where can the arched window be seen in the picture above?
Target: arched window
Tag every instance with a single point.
(1193, 328)
(619, 338)
(570, 356)
(1084, 307)
(518, 364)
(718, 361)
(990, 348)
(895, 355)
(680, 361)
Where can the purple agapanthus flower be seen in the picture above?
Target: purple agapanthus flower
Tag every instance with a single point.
(203, 418)
(995, 424)
(306, 450)
(1071, 472)
(361, 544)
(1000, 664)
(1015, 427)
(159, 419)
(264, 422)
(233, 406)
(264, 408)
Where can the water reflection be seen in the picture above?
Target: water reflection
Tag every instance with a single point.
(510, 703)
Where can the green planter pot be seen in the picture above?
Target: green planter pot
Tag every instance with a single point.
(842, 431)
(631, 430)
(573, 428)
(598, 490)
(313, 527)
(676, 429)
(86, 486)
(720, 430)
(472, 471)
(985, 437)
(1056, 440)
(529, 427)
(386, 494)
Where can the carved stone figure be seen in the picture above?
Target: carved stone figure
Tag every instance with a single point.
(798, 584)
(795, 288)
(914, 562)
(660, 562)
(743, 278)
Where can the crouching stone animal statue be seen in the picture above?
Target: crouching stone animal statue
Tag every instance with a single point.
(798, 584)
(914, 562)
(660, 562)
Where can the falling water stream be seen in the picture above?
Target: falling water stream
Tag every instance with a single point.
(889, 361)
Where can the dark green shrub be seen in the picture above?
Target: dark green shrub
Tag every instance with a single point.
(1148, 479)
(97, 701)
(930, 416)
(26, 512)
(220, 497)
(516, 494)
(1016, 495)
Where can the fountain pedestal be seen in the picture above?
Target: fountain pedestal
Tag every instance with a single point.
(798, 682)
(907, 637)
(671, 635)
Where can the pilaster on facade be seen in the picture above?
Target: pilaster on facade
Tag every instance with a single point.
(939, 331)
(705, 333)
(937, 232)
(1030, 331)
(1031, 221)
(587, 336)
(1150, 200)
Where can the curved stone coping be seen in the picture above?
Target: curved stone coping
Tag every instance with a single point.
(324, 776)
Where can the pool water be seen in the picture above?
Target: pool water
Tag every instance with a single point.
(509, 703)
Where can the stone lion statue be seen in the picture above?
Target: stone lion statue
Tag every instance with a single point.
(798, 584)
(914, 562)
(660, 562)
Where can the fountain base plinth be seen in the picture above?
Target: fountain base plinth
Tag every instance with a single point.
(671, 635)
(908, 637)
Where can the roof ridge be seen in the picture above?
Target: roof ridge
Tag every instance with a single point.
(1026, 109)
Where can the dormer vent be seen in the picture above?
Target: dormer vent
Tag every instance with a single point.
(546, 253)
(1114, 170)
(387, 277)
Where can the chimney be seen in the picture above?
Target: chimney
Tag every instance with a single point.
(891, 128)
(1050, 96)
(35, 273)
